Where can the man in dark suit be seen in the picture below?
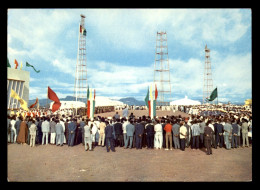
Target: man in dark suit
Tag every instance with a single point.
(72, 129)
(208, 132)
(119, 133)
(150, 134)
(109, 137)
(139, 130)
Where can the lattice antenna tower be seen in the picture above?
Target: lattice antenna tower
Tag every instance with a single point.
(208, 82)
(162, 70)
(80, 85)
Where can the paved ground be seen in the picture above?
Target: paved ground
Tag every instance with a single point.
(52, 163)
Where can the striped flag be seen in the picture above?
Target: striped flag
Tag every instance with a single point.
(91, 103)
(150, 101)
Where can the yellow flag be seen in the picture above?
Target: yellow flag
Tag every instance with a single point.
(22, 102)
(151, 92)
(90, 93)
(21, 66)
(14, 95)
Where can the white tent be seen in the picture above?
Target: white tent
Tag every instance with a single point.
(99, 101)
(185, 102)
(104, 101)
(70, 104)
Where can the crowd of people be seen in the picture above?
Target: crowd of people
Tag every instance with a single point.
(227, 131)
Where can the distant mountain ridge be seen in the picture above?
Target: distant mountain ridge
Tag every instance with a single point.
(130, 101)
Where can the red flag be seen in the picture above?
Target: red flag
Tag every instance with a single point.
(149, 107)
(52, 96)
(156, 92)
(94, 94)
(88, 112)
(36, 101)
(16, 64)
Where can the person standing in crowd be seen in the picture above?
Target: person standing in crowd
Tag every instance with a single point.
(228, 134)
(163, 133)
(13, 130)
(126, 122)
(39, 131)
(195, 131)
(234, 134)
(23, 133)
(158, 139)
(67, 130)
(82, 125)
(52, 130)
(17, 125)
(213, 139)
(168, 135)
(244, 128)
(202, 126)
(176, 134)
(45, 130)
(183, 135)
(29, 122)
(72, 129)
(208, 132)
(220, 133)
(116, 116)
(109, 137)
(93, 134)
(130, 129)
(59, 132)
(150, 134)
(187, 125)
(102, 135)
(33, 129)
(139, 130)
(250, 135)
(63, 134)
(87, 134)
(238, 133)
(144, 139)
(118, 133)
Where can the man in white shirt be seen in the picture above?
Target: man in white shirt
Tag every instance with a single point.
(32, 129)
(183, 135)
(124, 130)
(45, 130)
(13, 130)
(158, 138)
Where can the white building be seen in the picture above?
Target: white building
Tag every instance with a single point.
(18, 80)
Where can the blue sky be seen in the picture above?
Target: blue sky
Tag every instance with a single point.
(121, 50)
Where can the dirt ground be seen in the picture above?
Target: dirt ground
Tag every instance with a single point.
(54, 163)
(51, 163)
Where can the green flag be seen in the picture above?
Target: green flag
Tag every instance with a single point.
(213, 95)
(8, 64)
(147, 98)
(28, 65)
(88, 93)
